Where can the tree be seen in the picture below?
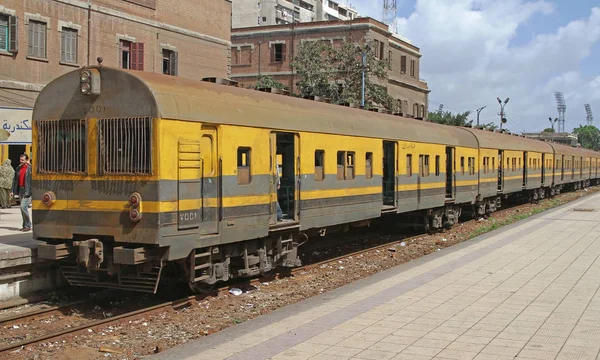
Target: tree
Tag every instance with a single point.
(490, 126)
(448, 118)
(321, 67)
(588, 136)
(267, 82)
(548, 130)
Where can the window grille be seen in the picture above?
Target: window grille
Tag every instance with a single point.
(125, 146)
(62, 146)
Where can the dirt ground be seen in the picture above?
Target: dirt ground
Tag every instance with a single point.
(160, 331)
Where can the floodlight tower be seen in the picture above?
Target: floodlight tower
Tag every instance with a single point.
(561, 106)
(589, 117)
(390, 12)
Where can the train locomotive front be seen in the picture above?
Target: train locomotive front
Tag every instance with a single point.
(122, 192)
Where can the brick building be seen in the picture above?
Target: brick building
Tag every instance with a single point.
(42, 39)
(269, 50)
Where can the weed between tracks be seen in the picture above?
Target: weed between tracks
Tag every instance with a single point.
(170, 328)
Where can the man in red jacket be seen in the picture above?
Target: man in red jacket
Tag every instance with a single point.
(22, 186)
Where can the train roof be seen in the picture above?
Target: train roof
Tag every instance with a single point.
(494, 140)
(137, 93)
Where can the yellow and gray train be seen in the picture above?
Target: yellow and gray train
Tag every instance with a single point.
(140, 174)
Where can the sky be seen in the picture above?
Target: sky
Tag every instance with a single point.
(474, 51)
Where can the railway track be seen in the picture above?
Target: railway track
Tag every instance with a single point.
(176, 304)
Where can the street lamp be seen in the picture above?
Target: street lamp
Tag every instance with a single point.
(552, 122)
(502, 118)
(478, 111)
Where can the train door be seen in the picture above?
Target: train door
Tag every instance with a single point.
(197, 187)
(525, 168)
(543, 168)
(500, 169)
(210, 181)
(389, 174)
(189, 185)
(450, 178)
(285, 174)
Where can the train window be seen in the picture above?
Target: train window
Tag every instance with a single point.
(125, 146)
(340, 164)
(369, 165)
(462, 165)
(514, 164)
(409, 165)
(424, 165)
(471, 166)
(508, 164)
(62, 146)
(485, 164)
(437, 165)
(350, 165)
(206, 148)
(243, 166)
(493, 164)
(319, 165)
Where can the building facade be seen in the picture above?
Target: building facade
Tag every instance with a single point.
(269, 51)
(561, 138)
(43, 39)
(249, 13)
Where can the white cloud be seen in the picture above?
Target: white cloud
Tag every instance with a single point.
(469, 58)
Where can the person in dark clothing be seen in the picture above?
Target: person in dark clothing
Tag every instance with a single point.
(22, 186)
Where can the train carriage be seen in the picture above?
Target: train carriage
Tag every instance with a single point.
(141, 174)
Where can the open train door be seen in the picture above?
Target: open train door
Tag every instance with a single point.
(543, 168)
(525, 168)
(500, 170)
(273, 178)
(450, 178)
(389, 180)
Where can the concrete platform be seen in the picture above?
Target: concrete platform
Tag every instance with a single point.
(21, 274)
(527, 291)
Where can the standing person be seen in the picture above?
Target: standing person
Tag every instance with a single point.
(7, 174)
(22, 186)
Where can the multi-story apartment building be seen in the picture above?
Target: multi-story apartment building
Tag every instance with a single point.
(42, 39)
(248, 13)
(269, 51)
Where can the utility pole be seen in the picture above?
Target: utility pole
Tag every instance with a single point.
(478, 111)
(502, 105)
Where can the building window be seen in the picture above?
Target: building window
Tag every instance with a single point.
(242, 55)
(243, 167)
(390, 59)
(369, 165)
(37, 39)
(8, 33)
(131, 55)
(170, 62)
(68, 46)
(319, 165)
(413, 65)
(278, 53)
(409, 165)
(403, 64)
